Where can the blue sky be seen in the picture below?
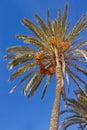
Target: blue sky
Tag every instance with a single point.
(16, 111)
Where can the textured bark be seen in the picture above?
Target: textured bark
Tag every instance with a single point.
(59, 86)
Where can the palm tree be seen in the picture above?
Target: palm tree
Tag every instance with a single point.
(77, 109)
(52, 51)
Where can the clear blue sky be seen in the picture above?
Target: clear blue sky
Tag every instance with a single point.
(16, 111)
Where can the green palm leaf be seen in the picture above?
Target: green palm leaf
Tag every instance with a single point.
(43, 26)
(30, 82)
(21, 70)
(21, 81)
(81, 44)
(82, 99)
(78, 28)
(65, 16)
(46, 85)
(26, 57)
(32, 40)
(36, 30)
(79, 68)
(35, 84)
(77, 109)
(49, 23)
(20, 48)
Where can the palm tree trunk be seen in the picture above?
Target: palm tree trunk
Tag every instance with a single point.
(59, 86)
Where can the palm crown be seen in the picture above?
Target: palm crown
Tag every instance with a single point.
(40, 61)
(77, 109)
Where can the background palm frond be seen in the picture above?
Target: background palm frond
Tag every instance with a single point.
(77, 110)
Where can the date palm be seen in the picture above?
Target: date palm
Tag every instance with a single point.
(78, 111)
(52, 51)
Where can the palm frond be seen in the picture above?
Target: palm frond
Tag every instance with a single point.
(59, 18)
(71, 121)
(55, 28)
(32, 40)
(77, 109)
(68, 110)
(10, 56)
(43, 26)
(73, 78)
(83, 52)
(21, 81)
(81, 44)
(78, 28)
(76, 105)
(29, 83)
(46, 85)
(49, 22)
(64, 26)
(35, 29)
(21, 70)
(81, 91)
(60, 30)
(18, 51)
(35, 84)
(77, 77)
(82, 99)
(20, 48)
(25, 57)
(79, 68)
(65, 15)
